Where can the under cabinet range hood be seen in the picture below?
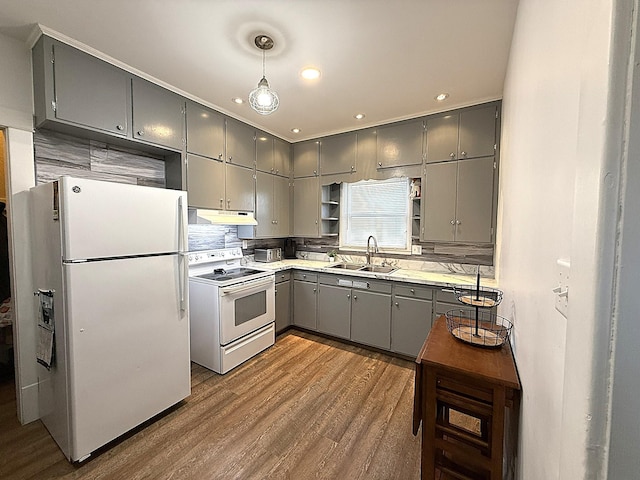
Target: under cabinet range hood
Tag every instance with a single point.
(220, 217)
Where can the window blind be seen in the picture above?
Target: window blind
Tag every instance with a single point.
(379, 208)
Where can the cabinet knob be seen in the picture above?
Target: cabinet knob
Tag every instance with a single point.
(397, 304)
(349, 296)
(413, 291)
(221, 202)
(219, 156)
(314, 290)
(282, 277)
(352, 168)
(230, 157)
(463, 154)
(228, 203)
(276, 222)
(120, 127)
(458, 222)
(277, 171)
(275, 291)
(315, 172)
(141, 133)
(452, 155)
(379, 164)
(304, 276)
(453, 222)
(355, 297)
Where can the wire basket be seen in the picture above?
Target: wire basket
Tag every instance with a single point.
(480, 328)
(473, 296)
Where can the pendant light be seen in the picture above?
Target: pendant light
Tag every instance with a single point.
(262, 99)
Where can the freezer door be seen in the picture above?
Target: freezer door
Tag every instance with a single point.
(128, 345)
(105, 219)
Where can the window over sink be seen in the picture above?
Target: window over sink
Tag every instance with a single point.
(379, 208)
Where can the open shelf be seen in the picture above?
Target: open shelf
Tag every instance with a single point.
(330, 214)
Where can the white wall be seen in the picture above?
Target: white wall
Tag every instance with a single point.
(16, 114)
(558, 193)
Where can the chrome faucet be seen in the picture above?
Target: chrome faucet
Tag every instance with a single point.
(375, 245)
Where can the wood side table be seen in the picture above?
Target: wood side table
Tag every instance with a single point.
(481, 383)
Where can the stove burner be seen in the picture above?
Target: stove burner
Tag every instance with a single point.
(219, 274)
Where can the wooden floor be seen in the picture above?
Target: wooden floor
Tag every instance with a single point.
(306, 408)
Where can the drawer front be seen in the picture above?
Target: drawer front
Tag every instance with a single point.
(413, 291)
(283, 276)
(305, 276)
(444, 296)
(357, 283)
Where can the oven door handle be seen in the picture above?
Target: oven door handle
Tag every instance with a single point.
(254, 285)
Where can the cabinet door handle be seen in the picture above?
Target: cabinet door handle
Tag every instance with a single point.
(221, 202)
(228, 203)
(120, 127)
(452, 155)
(463, 154)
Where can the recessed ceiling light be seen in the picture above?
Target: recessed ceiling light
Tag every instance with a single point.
(359, 116)
(441, 97)
(237, 100)
(310, 73)
(296, 130)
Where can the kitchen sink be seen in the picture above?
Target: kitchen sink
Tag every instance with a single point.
(347, 266)
(378, 268)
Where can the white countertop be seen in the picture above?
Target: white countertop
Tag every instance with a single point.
(400, 275)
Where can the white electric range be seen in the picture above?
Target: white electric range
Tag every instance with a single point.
(232, 309)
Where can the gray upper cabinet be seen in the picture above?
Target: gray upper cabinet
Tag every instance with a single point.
(158, 115)
(205, 131)
(205, 182)
(240, 188)
(458, 201)
(241, 145)
(305, 158)
(75, 87)
(272, 206)
(469, 133)
(306, 207)
(272, 155)
(400, 144)
(281, 157)
(338, 154)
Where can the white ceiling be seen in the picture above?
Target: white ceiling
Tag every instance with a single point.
(384, 58)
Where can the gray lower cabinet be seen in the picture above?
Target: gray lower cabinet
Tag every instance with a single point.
(400, 144)
(305, 296)
(411, 318)
(205, 182)
(205, 131)
(334, 310)
(458, 201)
(239, 188)
(283, 300)
(158, 115)
(371, 318)
(306, 207)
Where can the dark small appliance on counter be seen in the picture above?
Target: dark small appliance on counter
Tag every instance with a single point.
(289, 248)
(267, 255)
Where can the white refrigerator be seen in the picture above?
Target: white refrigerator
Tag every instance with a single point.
(110, 259)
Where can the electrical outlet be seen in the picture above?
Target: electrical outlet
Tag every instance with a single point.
(416, 249)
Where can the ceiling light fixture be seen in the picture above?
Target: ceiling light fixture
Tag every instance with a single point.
(237, 100)
(296, 130)
(262, 99)
(310, 73)
(441, 97)
(359, 116)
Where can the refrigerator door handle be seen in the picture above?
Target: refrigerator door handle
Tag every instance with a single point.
(182, 280)
(181, 232)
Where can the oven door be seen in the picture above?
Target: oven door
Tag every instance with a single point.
(246, 307)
